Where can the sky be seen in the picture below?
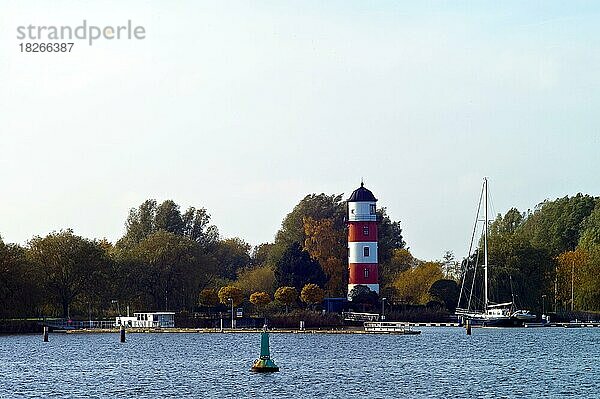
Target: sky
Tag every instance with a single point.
(246, 107)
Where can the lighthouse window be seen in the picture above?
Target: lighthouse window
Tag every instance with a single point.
(366, 273)
(365, 230)
(372, 209)
(366, 251)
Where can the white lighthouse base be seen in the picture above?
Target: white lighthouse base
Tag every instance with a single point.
(372, 287)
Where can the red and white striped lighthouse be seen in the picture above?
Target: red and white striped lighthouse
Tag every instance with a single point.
(362, 240)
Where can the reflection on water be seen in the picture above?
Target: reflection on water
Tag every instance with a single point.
(441, 362)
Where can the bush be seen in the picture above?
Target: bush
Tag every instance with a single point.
(311, 319)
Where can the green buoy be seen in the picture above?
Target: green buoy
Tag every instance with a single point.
(264, 364)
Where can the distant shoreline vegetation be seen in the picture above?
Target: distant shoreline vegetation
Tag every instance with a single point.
(169, 259)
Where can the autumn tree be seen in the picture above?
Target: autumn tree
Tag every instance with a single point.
(312, 294)
(256, 279)
(315, 206)
(287, 296)
(230, 292)
(413, 285)
(327, 245)
(571, 272)
(260, 300)
(400, 261)
(208, 297)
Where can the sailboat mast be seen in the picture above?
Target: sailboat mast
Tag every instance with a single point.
(485, 243)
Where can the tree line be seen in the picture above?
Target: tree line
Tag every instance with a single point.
(545, 259)
(177, 260)
(169, 259)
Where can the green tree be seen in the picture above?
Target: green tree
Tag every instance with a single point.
(173, 270)
(389, 236)
(71, 266)
(588, 280)
(445, 292)
(450, 266)
(149, 218)
(261, 254)
(287, 296)
(168, 218)
(232, 255)
(362, 295)
(590, 234)
(197, 227)
(518, 269)
(555, 225)
(296, 268)
(312, 294)
(20, 283)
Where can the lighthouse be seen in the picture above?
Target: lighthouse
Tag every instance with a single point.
(362, 240)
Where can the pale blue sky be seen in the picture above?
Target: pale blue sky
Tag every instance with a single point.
(245, 107)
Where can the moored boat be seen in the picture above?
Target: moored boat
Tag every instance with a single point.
(490, 314)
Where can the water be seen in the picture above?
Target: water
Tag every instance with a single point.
(439, 363)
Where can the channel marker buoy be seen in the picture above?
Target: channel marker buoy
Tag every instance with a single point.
(264, 364)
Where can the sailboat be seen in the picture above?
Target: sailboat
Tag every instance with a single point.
(490, 314)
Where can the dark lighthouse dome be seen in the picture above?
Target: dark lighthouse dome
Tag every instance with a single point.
(362, 194)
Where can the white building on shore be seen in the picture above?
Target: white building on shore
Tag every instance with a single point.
(147, 320)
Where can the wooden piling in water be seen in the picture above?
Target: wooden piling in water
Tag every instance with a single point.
(45, 333)
(122, 331)
(468, 327)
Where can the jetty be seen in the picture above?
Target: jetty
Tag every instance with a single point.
(572, 324)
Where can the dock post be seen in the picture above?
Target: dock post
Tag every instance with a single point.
(122, 331)
(45, 333)
(468, 327)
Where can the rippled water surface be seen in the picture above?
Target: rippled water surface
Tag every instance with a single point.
(441, 362)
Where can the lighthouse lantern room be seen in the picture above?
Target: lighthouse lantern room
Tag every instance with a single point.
(362, 240)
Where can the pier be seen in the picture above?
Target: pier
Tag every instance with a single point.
(577, 324)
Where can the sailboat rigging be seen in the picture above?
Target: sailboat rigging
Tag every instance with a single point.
(491, 314)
